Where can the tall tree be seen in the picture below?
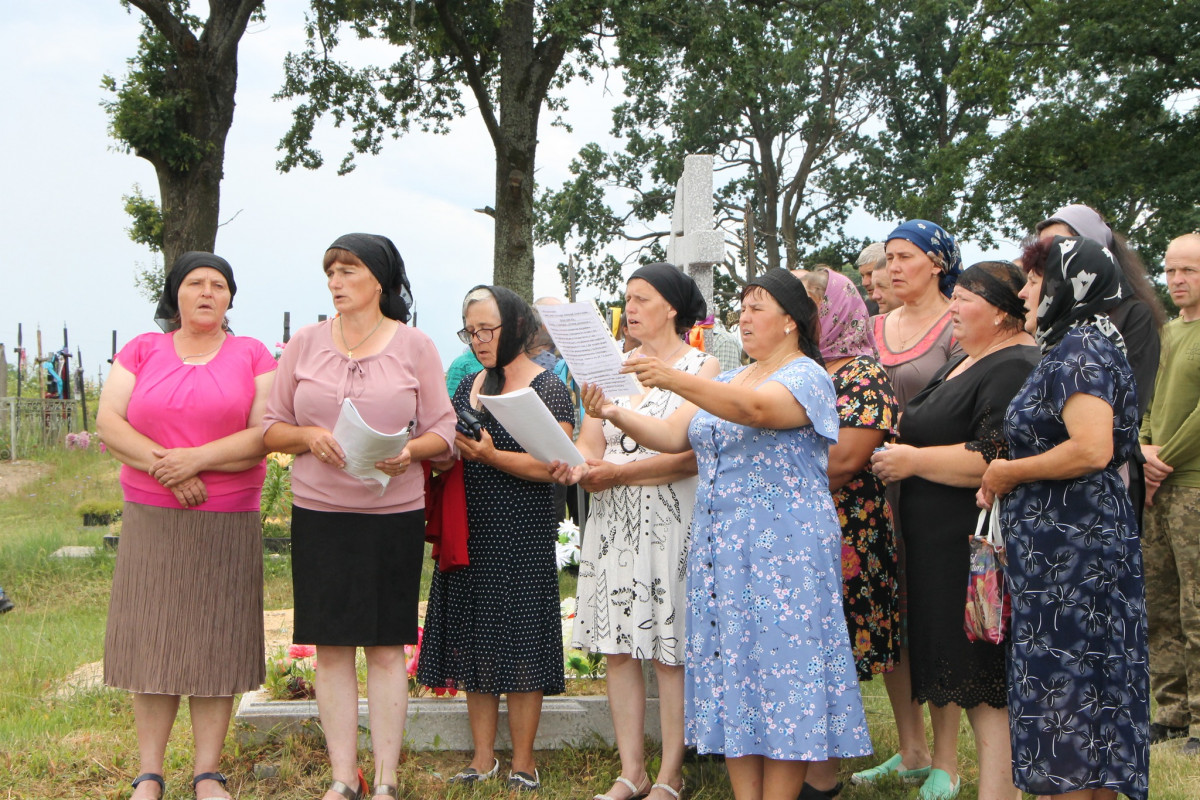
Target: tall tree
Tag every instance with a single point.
(174, 108)
(1117, 125)
(778, 92)
(955, 77)
(512, 56)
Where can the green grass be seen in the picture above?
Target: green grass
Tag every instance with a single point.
(83, 746)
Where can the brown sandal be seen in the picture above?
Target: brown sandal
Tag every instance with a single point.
(348, 792)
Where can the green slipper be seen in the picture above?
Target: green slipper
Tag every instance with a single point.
(891, 767)
(938, 787)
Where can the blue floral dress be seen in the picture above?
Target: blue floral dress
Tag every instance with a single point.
(1078, 687)
(768, 662)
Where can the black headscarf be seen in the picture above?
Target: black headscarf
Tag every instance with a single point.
(999, 290)
(1081, 282)
(519, 323)
(166, 316)
(789, 292)
(677, 289)
(385, 263)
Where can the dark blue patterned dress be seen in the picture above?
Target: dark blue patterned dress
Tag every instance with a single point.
(1078, 688)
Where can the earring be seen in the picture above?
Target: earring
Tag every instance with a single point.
(787, 331)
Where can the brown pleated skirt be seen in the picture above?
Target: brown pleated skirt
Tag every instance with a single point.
(185, 616)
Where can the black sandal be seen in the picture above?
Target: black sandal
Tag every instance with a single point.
(209, 776)
(151, 776)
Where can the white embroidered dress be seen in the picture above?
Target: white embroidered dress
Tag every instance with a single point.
(633, 563)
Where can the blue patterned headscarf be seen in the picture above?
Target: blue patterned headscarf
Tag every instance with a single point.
(936, 243)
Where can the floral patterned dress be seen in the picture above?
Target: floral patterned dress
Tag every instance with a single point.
(768, 662)
(1078, 679)
(869, 564)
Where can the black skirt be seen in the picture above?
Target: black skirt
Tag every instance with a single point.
(356, 578)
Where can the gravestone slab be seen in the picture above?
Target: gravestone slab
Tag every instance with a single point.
(74, 551)
(435, 723)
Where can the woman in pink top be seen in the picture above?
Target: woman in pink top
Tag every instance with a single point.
(914, 339)
(181, 410)
(357, 545)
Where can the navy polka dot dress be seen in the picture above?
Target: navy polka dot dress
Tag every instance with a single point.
(494, 626)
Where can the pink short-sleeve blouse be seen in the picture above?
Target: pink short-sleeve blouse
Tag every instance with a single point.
(400, 384)
(188, 405)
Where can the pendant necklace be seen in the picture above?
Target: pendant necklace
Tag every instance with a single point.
(342, 330)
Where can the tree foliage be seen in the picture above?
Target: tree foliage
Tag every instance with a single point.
(508, 60)
(955, 74)
(147, 227)
(1117, 123)
(174, 108)
(778, 92)
(983, 115)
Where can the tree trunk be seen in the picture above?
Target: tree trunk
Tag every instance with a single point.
(205, 71)
(513, 249)
(520, 104)
(192, 197)
(191, 203)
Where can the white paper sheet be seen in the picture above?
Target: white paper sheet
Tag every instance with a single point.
(364, 446)
(525, 416)
(591, 353)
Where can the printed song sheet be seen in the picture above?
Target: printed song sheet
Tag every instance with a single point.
(364, 446)
(591, 353)
(525, 416)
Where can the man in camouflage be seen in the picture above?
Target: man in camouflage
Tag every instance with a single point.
(1170, 437)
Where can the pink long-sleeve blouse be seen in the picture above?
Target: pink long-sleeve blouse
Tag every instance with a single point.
(390, 389)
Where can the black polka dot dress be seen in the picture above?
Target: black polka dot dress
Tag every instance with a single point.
(494, 626)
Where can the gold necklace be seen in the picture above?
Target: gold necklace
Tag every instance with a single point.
(758, 367)
(971, 361)
(202, 355)
(922, 327)
(342, 330)
(996, 346)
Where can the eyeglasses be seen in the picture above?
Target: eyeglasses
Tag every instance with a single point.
(482, 335)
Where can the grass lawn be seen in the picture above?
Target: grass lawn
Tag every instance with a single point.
(83, 745)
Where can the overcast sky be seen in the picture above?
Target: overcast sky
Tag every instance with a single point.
(67, 256)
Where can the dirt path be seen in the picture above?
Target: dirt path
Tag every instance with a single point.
(16, 474)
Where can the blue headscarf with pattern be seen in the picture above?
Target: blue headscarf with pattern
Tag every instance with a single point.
(936, 243)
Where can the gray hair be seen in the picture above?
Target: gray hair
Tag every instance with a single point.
(476, 295)
(817, 279)
(872, 254)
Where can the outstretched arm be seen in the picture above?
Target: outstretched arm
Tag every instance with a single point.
(767, 405)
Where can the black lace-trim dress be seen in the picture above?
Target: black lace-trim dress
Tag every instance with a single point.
(938, 521)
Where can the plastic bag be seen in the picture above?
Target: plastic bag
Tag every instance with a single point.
(987, 611)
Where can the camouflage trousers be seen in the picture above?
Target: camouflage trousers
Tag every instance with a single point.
(1171, 553)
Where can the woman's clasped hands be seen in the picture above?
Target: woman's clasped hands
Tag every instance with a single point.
(894, 462)
(178, 469)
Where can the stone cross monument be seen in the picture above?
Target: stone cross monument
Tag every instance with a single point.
(695, 245)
